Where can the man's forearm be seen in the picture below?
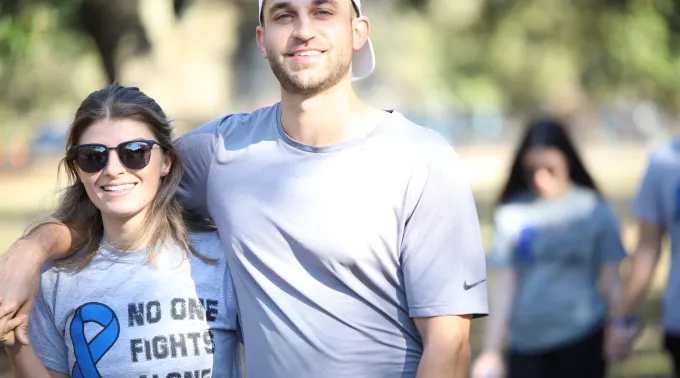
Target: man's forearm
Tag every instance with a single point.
(641, 271)
(445, 362)
(54, 239)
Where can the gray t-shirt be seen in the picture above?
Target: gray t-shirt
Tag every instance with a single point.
(334, 249)
(122, 317)
(557, 248)
(658, 202)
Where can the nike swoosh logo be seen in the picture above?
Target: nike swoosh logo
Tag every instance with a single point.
(468, 287)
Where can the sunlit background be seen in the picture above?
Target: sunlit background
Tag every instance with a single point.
(473, 70)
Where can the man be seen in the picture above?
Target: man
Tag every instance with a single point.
(352, 234)
(657, 208)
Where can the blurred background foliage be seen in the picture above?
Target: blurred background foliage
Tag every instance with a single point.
(473, 70)
(499, 56)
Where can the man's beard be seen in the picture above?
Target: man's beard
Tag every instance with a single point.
(293, 85)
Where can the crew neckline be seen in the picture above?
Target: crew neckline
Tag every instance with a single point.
(333, 147)
(108, 251)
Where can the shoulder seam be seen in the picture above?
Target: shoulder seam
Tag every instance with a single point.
(216, 138)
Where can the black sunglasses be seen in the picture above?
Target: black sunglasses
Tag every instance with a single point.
(91, 158)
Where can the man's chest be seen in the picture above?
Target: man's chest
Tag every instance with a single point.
(327, 204)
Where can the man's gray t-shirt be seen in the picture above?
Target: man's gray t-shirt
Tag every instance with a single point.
(122, 317)
(658, 203)
(334, 249)
(557, 249)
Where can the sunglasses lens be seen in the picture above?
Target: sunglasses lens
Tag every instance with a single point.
(92, 159)
(135, 155)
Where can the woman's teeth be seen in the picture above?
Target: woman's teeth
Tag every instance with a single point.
(116, 188)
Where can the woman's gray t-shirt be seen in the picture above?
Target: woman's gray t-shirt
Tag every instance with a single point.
(122, 317)
(557, 249)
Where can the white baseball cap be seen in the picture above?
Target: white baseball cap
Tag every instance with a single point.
(363, 60)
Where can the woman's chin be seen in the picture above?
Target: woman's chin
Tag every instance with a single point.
(120, 215)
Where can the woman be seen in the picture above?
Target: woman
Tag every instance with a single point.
(555, 240)
(141, 297)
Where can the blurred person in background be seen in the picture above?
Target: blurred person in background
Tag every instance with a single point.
(657, 209)
(141, 278)
(351, 232)
(555, 240)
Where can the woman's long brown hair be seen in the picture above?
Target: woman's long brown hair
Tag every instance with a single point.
(165, 221)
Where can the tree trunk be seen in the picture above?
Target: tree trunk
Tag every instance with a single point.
(177, 52)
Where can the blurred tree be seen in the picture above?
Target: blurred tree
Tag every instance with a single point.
(139, 42)
(32, 32)
(490, 54)
(560, 53)
(108, 23)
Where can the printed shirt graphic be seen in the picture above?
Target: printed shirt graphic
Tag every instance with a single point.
(335, 249)
(88, 354)
(121, 317)
(557, 249)
(658, 202)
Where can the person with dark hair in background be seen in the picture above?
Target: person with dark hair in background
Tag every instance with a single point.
(148, 292)
(657, 209)
(555, 239)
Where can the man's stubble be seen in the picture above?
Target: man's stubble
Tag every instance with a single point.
(338, 69)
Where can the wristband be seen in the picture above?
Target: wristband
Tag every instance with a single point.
(624, 321)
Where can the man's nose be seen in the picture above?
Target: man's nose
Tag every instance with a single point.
(304, 28)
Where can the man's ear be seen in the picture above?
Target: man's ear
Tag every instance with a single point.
(361, 27)
(261, 37)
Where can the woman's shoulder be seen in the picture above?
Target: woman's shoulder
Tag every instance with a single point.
(514, 203)
(49, 273)
(520, 198)
(595, 207)
(597, 201)
(208, 244)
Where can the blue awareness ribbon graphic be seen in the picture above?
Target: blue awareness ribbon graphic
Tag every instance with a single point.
(525, 249)
(89, 353)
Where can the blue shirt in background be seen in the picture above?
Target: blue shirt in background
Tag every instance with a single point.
(658, 203)
(557, 248)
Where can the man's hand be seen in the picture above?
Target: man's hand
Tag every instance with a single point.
(446, 346)
(18, 325)
(619, 340)
(20, 270)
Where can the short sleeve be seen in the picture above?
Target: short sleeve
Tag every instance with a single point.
(502, 245)
(442, 255)
(648, 205)
(196, 149)
(608, 239)
(46, 339)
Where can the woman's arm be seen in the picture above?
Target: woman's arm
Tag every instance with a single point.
(23, 360)
(612, 285)
(502, 297)
(621, 330)
(490, 362)
(25, 363)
